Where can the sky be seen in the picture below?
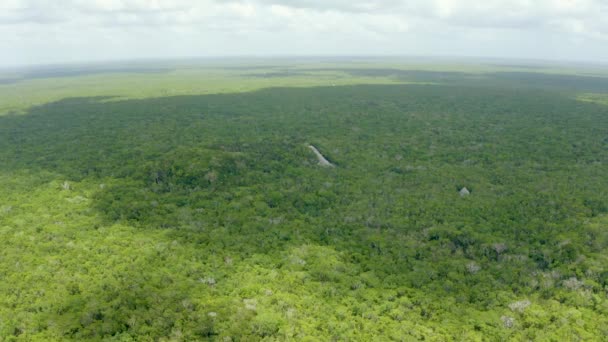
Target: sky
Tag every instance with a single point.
(64, 31)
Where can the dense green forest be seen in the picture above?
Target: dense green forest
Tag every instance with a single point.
(177, 216)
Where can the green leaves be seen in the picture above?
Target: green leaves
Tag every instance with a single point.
(145, 219)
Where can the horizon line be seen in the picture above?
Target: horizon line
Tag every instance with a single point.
(235, 57)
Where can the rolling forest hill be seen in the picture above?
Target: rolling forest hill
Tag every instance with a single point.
(207, 217)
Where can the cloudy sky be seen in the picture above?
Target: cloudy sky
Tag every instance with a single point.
(55, 31)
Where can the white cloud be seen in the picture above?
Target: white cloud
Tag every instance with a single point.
(38, 31)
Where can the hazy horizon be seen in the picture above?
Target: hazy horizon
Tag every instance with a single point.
(228, 59)
(40, 33)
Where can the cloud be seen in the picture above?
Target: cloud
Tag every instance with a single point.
(514, 14)
(525, 28)
(335, 5)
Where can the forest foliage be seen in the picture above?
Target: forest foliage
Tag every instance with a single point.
(206, 217)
